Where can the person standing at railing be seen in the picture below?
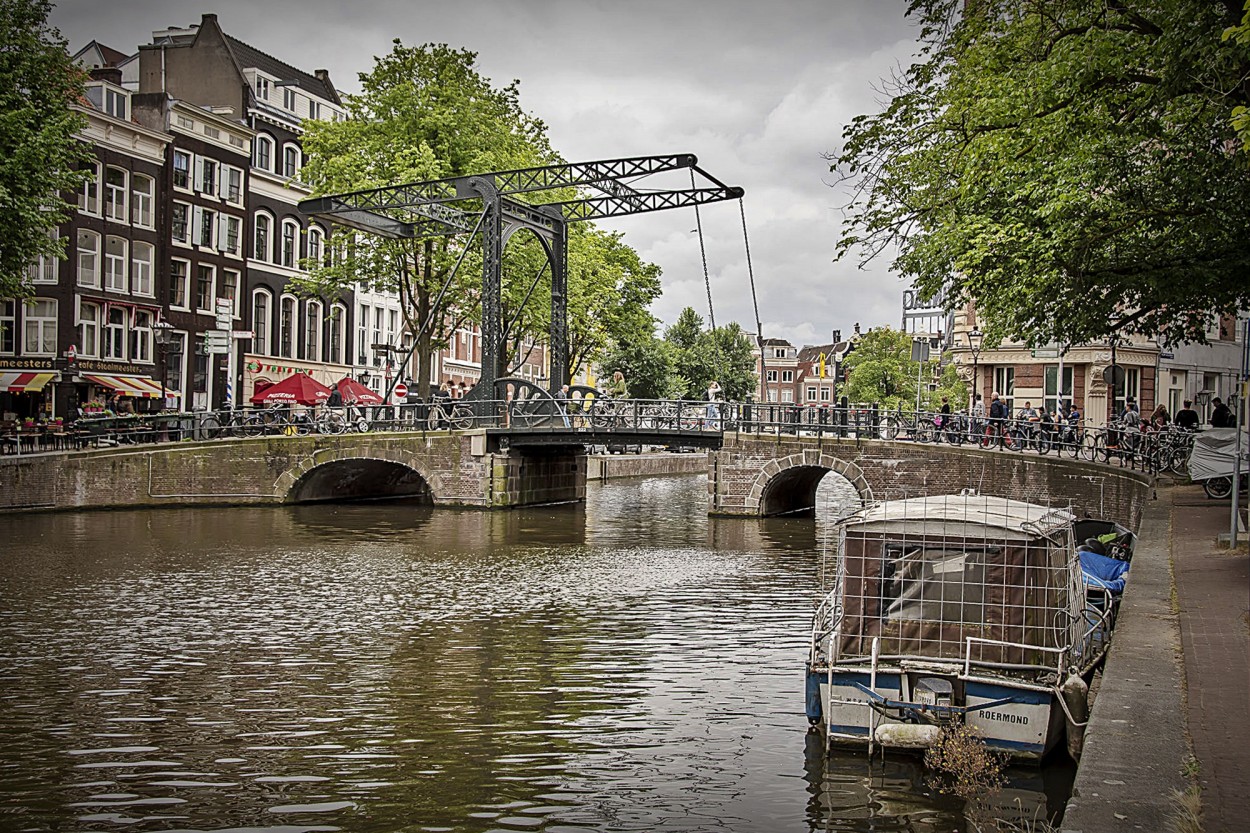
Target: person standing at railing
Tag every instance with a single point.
(714, 397)
(1187, 417)
(998, 419)
(978, 416)
(617, 389)
(944, 414)
(562, 403)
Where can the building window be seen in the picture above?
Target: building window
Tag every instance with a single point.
(1131, 386)
(40, 327)
(262, 153)
(206, 177)
(88, 329)
(115, 264)
(770, 376)
(1050, 396)
(288, 99)
(312, 331)
(45, 267)
(115, 194)
(824, 394)
(181, 224)
(89, 258)
(779, 352)
(179, 278)
(260, 322)
(338, 318)
(230, 289)
(8, 327)
(228, 235)
(787, 394)
(315, 247)
(182, 170)
(141, 338)
(175, 362)
(262, 88)
(286, 327)
(142, 190)
(290, 161)
(1005, 386)
(204, 276)
(89, 196)
(115, 103)
(290, 236)
(261, 237)
(141, 260)
(811, 394)
(787, 375)
(205, 226)
(232, 184)
(115, 334)
(314, 109)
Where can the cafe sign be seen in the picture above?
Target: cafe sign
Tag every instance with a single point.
(110, 367)
(27, 364)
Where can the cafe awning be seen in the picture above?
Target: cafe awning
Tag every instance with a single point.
(140, 386)
(23, 381)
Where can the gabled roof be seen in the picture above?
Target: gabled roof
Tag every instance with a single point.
(106, 56)
(249, 57)
(776, 342)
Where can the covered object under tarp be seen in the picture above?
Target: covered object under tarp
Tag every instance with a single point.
(1215, 454)
(922, 575)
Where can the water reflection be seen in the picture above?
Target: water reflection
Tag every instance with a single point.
(626, 665)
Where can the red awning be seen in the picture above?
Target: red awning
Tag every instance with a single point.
(354, 393)
(299, 389)
(23, 381)
(140, 386)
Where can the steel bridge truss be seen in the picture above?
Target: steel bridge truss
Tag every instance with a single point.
(596, 190)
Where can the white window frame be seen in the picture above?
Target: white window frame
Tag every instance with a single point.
(116, 195)
(205, 296)
(288, 99)
(185, 281)
(184, 174)
(288, 322)
(47, 267)
(811, 393)
(289, 253)
(89, 258)
(262, 88)
(142, 262)
(206, 176)
(229, 233)
(338, 329)
(89, 194)
(116, 272)
(88, 329)
(204, 232)
(141, 337)
(113, 343)
(8, 326)
(262, 321)
(188, 220)
(315, 246)
(39, 331)
(292, 160)
(263, 152)
(142, 200)
(229, 285)
(312, 330)
(262, 241)
(231, 184)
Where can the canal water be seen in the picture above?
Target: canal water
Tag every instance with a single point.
(624, 665)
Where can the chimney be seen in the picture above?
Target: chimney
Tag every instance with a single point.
(837, 336)
(111, 74)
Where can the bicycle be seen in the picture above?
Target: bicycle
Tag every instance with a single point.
(215, 424)
(450, 413)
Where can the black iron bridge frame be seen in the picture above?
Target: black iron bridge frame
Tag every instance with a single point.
(491, 203)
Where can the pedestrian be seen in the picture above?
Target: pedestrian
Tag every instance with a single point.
(335, 400)
(1187, 417)
(998, 418)
(1159, 418)
(562, 403)
(713, 396)
(1221, 416)
(617, 389)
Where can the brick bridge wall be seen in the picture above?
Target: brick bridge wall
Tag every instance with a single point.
(766, 474)
(455, 467)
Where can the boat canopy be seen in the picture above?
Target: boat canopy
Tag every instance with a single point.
(961, 515)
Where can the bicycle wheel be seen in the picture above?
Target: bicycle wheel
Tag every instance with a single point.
(461, 417)
(923, 433)
(1218, 488)
(888, 429)
(1072, 444)
(332, 422)
(253, 426)
(1043, 443)
(210, 427)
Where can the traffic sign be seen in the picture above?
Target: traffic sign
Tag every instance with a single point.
(399, 394)
(242, 334)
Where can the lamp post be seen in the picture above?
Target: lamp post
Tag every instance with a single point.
(975, 337)
(164, 339)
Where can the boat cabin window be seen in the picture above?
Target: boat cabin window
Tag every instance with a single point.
(934, 584)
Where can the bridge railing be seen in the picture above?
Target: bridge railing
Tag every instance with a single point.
(1148, 450)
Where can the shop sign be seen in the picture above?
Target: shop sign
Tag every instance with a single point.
(26, 364)
(110, 367)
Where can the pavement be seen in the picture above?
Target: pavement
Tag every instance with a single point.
(1174, 704)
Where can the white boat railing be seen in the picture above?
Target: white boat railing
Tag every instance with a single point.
(969, 662)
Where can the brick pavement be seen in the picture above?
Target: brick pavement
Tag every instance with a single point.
(1213, 595)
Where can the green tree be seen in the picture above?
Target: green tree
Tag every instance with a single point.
(950, 386)
(700, 355)
(423, 113)
(880, 370)
(688, 360)
(1070, 167)
(646, 362)
(39, 154)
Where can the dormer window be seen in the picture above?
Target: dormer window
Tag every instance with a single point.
(108, 100)
(262, 88)
(288, 98)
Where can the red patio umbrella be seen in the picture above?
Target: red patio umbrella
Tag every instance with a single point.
(354, 393)
(298, 389)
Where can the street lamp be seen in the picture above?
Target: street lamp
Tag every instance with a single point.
(164, 339)
(975, 337)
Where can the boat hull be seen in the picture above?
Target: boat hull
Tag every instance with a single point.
(1020, 720)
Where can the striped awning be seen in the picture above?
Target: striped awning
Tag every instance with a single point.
(23, 381)
(140, 386)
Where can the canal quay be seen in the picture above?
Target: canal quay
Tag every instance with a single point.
(629, 663)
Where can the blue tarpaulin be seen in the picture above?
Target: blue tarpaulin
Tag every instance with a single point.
(1101, 571)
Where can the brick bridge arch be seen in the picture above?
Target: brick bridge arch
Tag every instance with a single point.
(756, 475)
(340, 473)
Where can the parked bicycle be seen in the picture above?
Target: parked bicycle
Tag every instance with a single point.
(449, 413)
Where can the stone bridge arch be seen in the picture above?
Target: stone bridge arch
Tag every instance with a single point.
(343, 474)
(787, 485)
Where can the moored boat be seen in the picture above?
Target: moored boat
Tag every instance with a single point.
(966, 609)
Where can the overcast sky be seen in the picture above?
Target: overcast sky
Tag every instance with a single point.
(758, 91)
